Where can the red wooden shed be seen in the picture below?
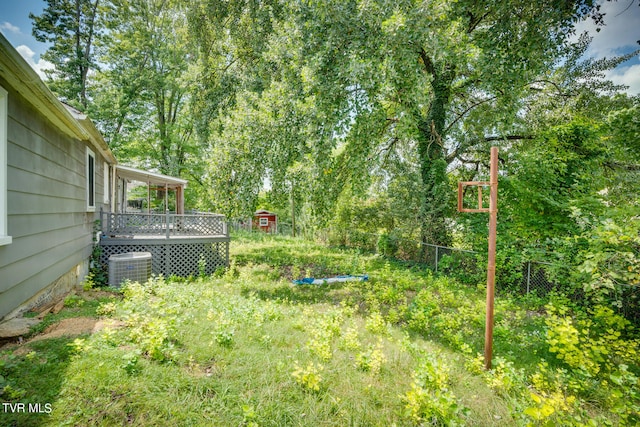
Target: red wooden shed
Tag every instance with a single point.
(265, 221)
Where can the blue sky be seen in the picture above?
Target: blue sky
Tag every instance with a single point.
(619, 36)
(15, 25)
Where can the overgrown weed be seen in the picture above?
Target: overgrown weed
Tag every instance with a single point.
(250, 348)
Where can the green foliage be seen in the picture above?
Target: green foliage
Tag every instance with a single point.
(74, 301)
(601, 350)
(449, 314)
(9, 391)
(540, 200)
(130, 363)
(371, 359)
(463, 266)
(309, 377)
(272, 372)
(71, 27)
(592, 343)
(613, 256)
(429, 401)
(387, 245)
(152, 326)
(97, 272)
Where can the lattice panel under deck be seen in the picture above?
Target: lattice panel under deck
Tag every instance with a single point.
(180, 259)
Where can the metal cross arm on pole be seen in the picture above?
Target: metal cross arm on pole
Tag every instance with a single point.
(491, 264)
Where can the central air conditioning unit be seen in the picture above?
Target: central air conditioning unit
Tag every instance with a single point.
(134, 266)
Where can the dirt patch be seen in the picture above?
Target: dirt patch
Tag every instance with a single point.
(76, 326)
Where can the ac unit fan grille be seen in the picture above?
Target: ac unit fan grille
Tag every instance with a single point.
(134, 266)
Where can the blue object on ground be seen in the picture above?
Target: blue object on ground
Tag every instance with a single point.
(313, 281)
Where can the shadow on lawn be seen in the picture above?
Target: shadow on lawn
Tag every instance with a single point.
(31, 377)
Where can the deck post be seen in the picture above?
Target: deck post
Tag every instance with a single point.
(179, 200)
(167, 223)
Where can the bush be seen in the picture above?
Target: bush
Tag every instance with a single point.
(388, 244)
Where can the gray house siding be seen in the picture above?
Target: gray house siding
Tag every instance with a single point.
(48, 218)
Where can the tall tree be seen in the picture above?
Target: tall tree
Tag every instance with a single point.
(71, 25)
(446, 78)
(435, 72)
(146, 84)
(235, 70)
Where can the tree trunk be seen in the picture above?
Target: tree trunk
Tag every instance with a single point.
(433, 165)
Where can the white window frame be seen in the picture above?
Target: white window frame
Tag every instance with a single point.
(264, 221)
(5, 239)
(105, 191)
(90, 180)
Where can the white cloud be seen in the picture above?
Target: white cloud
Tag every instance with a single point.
(10, 28)
(618, 36)
(620, 32)
(29, 56)
(628, 76)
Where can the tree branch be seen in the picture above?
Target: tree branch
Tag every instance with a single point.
(464, 113)
(624, 166)
(463, 146)
(508, 138)
(554, 84)
(475, 21)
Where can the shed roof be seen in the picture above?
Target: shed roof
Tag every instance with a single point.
(264, 212)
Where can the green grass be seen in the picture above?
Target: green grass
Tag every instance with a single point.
(250, 348)
(34, 373)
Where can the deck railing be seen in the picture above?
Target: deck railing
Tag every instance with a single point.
(167, 225)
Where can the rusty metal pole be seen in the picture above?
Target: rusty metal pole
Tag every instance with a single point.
(491, 265)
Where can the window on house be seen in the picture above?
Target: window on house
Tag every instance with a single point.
(91, 181)
(5, 239)
(264, 222)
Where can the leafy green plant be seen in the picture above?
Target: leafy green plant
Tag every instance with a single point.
(202, 267)
(376, 324)
(97, 275)
(387, 244)
(249, 416)
(349, 339)
(308, 377)
(592, 342)
(371, 359)
(130, 363)
(106, 309)
(429, 401)
(73, 300)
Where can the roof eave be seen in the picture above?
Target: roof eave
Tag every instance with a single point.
(23, 79)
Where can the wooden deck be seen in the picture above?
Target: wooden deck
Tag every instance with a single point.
(162, 225)
(179, 244)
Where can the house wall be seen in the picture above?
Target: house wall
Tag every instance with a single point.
(47, 208)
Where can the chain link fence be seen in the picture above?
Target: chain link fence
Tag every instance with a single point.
(466, 265)
(535, 278)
